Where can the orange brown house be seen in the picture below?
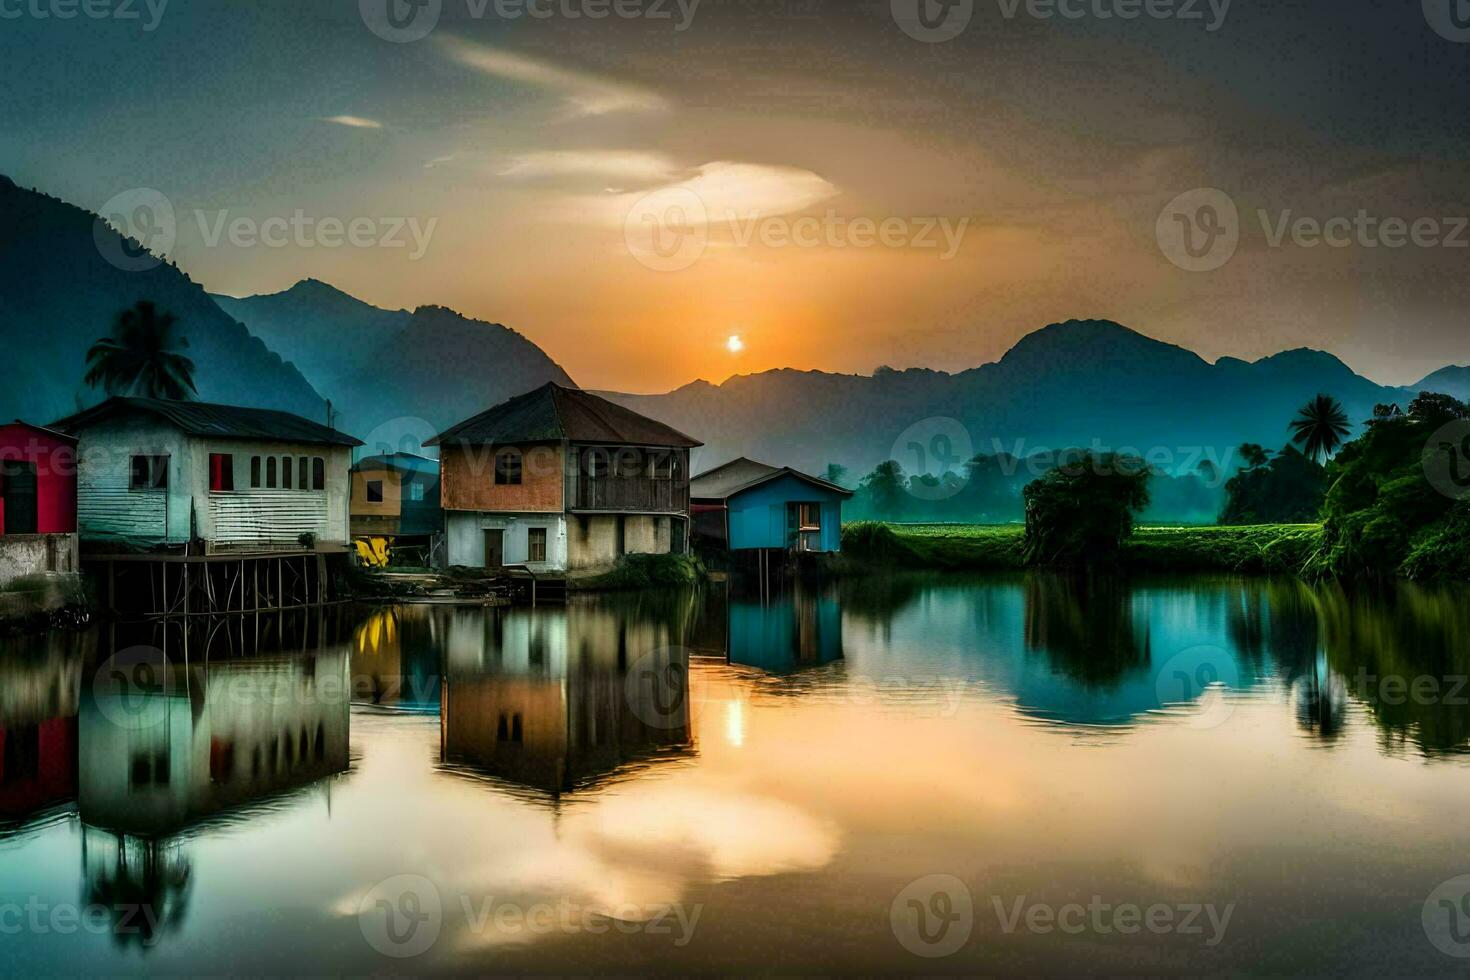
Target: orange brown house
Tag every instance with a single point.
(561, 480)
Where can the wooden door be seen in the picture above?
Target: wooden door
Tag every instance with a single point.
(495, 548)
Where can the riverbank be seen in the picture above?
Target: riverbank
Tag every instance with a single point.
(1258, 549)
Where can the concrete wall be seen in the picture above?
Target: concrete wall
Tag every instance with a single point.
(466, 538)
(33, 554)
(592, 540)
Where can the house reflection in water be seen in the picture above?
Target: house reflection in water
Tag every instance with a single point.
(562, 700)
(165, 747)
(39, 681)
(395, 657)
(793, 632)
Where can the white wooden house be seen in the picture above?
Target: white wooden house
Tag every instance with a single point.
(153, 472)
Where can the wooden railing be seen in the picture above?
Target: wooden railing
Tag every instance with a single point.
(628, 480)
(634, 495)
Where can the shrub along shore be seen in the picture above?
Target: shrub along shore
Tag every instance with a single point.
(1259, 549)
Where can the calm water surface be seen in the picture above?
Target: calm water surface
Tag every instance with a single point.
(1009, 775)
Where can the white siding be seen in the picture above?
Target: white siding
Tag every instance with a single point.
(107, 508)
(273, 517)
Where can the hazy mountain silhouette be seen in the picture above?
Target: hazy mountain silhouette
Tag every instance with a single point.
(1448, 381)
(58, 295)
(395, 377)
(1077, 383)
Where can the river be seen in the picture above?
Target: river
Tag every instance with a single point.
(1001, 775)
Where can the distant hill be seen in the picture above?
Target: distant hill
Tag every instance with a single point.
(1448, 381)
(395, 377)
(1079, 383)
(58, 294)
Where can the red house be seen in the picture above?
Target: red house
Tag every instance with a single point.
(38, 501)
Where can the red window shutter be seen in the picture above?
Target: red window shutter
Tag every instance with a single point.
(221, 472)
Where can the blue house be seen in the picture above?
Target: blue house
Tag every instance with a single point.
(748, 505)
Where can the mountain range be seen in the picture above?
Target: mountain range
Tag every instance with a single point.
(1080, 383)
(59, 294)
(394, 377)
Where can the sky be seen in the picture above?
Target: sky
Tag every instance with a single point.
(840, 185)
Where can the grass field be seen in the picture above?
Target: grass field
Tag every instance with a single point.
(1267, 548)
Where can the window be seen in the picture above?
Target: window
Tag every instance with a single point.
(286, 473)
(255, 472)
(375, 491)
(270, 472)
(809, 517)
(221, 472)
(318, 474)
(661, 467)
(536, 544)
(302, 469)
(416, 492)
(148, 473)
(508, 468)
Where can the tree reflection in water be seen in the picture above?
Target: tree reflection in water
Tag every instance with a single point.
(142, 882)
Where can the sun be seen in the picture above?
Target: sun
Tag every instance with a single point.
(734, 345)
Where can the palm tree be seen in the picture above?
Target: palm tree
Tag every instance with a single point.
(1320, 427)
(142, 357)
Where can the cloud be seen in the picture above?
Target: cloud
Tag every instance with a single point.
(623, 164)
(723, 190)
(356, 122)
(586, 94)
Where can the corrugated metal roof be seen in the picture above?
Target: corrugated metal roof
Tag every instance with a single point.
(216, 421)
(398, 463)
(724, 482)
(41, 429)
(720, 482)
(552, 413)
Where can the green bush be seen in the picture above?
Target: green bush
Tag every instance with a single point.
(1285, 490)
(1382, 517)
(1082, 513)
(649, 572)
